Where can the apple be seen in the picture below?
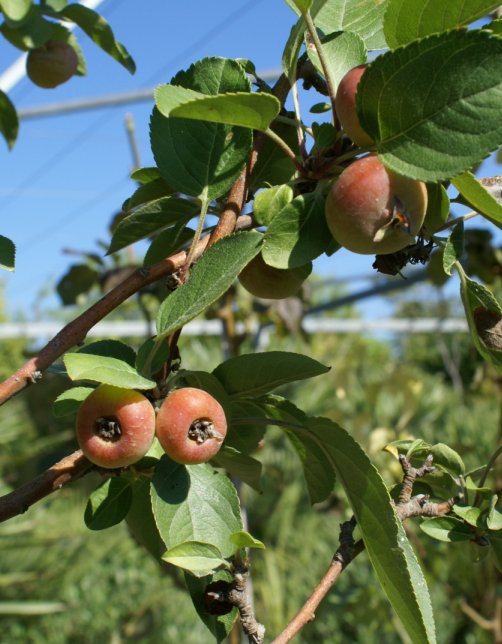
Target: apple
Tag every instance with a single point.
(268, 282)
(345, 106)
(52, 64)
(191, 426)
(115, 427)
(370, 209)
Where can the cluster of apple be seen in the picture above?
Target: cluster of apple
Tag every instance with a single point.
(369, 209)
(116, 427)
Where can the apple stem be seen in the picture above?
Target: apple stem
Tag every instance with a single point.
(108, 429)
(201, 430)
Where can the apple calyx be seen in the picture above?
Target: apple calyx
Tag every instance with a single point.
(399, 220)
(108, 428)
(202, 430)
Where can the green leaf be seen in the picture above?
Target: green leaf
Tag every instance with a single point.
(70, 400)
(9, 121)
(145, 175)
(147, 366)
(32, 33)
(302, 5)
(78, 280)
(320, 108)
(269, 202)
(273, 167)
(167, 243)
(15, 11)
(55, 5)
(243, 539)
(438, 207)
(495, 26)
(140, 520)
(454, 248)
(213, 274)
(247, 427)
(201, 559)
(111, 349)
(469, 514)
(96, 27)
(246, 468)
(7, 253)
(146, 192)
(484, 316)
(195, 503)
(219, 625)
(255, 111)
(385, 539)
(344, 50)
(432, 126)
(108, 504)
(298, 234)
(479, 197)
(362, 17)
(446, 457)
(494, 518)
(447, 529)
(254, 374)
(110, 371)
(407, 20)
(317, 468)
(198, 158)
(151, 218)
(484, 492)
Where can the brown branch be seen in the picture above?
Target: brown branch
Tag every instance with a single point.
(221, 596)
(410, 475)
(75, 332)
(233, 207)
(239, 597)
(482, 622)
(238, 193)
(69, 469)
(346, 553)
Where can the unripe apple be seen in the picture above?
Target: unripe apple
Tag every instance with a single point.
(115, 426)
(370, 209)
(268, 282)
(345, 106)
(191, 426)
(52, 64)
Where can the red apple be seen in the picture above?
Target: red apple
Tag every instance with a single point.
(52, 64)
(345, 106)
(191, 426)
(370, 209)
(115, 426)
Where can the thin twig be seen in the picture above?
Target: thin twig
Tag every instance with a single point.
(454, 222)
(346, 553)
(69, 469)
(482, 622)
(330, 81)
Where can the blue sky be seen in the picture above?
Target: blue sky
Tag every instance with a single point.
(68, 174)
